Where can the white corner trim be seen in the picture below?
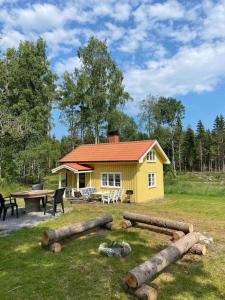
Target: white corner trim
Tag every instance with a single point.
(150, 148)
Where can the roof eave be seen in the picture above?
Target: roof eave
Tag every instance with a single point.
(156, 143)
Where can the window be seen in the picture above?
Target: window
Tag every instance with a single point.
(151, 180)
(151, 156)
(111, 179)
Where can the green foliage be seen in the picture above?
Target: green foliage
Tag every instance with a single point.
(91, 95)
(27, 91)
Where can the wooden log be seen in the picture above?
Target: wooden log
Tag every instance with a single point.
(56, 247)
(109, 226)
(146, 292)
(160, 222)
(126, 224)
(51, 236)
(198, 249)
(147, 270)
(177, 235)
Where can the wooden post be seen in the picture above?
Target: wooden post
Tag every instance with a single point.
(78, 181)
(147, 270)
(60, 180)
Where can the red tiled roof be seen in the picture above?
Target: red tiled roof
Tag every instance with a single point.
(122, 151)
(78, 167)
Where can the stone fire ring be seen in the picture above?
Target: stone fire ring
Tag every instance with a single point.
(115, 248)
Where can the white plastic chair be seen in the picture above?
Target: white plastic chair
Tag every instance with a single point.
(108, 197)
(116, 196)
(120, 196)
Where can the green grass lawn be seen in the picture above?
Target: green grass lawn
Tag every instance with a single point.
(79, 272)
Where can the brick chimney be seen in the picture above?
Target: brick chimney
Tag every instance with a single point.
(113, 137)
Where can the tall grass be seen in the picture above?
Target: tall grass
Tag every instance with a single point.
(196, 184)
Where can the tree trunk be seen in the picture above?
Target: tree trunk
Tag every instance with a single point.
(173, 154)
(180, 156)
(96, 134)
(51, 236)
(147, 270)
(160, 222)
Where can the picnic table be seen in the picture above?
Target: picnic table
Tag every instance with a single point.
(32, 198)
(98, 195)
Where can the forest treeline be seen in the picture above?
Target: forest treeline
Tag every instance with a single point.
(91, 100)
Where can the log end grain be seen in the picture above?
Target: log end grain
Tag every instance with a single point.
(146, 292)
(126, 224)
(177, 235)
(45, 242)
(56, 247)
(198, 249)
(131, 280)
(109, 226)
(191, 228)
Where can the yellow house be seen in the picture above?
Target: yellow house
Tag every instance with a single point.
(135, 166)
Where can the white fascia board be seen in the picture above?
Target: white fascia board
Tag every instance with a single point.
(61, 167)
(160, 149)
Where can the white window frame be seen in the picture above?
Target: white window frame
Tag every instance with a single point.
(152, 185)
(151, 156)
(111, 186)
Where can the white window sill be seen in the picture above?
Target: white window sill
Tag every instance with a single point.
(110, 187)
(152, 187)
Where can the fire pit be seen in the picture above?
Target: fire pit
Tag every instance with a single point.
(114, 248)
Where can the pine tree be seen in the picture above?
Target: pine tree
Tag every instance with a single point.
(189, 150)
(200, 142)
(218, 134)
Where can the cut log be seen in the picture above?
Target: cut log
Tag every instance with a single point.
(126, 224)
(198, 249)
(160, 222)
(51, 236)
(177, 235)
(56, 247)
(109, 226)
(146, 292)
(147, 270)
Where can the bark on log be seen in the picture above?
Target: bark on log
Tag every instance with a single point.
(126, 224)
(177, 235)
(160, 222)
(147, 270)
(109, 226)
(51, 236)
(146, 292)
(198, 249)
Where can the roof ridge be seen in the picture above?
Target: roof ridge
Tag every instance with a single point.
(140, 141)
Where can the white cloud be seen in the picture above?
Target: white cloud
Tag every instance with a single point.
(197, 69)
(122, 11)
(67, 65)
(170, 46)
(214, 22)
(10, 39)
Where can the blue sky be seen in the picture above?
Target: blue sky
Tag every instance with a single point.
(170, 48)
